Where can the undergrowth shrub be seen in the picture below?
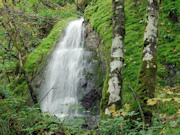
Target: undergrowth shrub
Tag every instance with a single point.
(17, 118)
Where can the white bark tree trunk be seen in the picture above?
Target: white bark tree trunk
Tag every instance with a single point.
(147, 78)
(117, 56)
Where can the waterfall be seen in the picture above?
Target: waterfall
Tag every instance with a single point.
(63, 73)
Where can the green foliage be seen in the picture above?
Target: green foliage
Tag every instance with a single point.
(176, 79)
(34, 20)
(172, 110)
(16, 118)
(37, 59)
(99, 70)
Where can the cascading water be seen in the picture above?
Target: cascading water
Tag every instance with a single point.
(63, 73)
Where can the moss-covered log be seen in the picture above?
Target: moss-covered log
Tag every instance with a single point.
(147, 78)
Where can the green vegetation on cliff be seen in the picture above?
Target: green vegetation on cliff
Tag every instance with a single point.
(34, 21)
(38, 58)
(40, 27)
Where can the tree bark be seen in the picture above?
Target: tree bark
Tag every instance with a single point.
(147, 78)
(117, 57)
(33, 96)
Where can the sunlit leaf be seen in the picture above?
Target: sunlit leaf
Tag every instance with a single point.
(151, 102)
(178, 112)
(170, 92)
(166, 99)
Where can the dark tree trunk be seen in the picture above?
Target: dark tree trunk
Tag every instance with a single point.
(147, 77)
(33, 96)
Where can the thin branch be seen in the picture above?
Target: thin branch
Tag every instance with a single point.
(47, 94)
(140, 109)
(7, 50)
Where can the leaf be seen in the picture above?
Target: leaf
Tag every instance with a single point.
(170, 92)
(151, 102)
(177, 99)
(163, 131)
(116, 114)
(178, 94)
(166, 99)
(127, 106)
(173, 124)
(124, 113)
(178, 112)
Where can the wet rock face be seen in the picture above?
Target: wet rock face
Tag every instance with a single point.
(38, 83)
(89, 100)
(92, 40)
(94, 73)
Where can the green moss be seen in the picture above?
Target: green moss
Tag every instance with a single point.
(169, 39)
(172, 110)
(162, 71)
(37, 59)
(105, 96)
(100, 71)
(146, 87)
(176, 80)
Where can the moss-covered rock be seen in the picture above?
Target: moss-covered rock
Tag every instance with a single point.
(81, 4)
(94, 72)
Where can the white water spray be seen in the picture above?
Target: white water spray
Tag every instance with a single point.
(64, 71)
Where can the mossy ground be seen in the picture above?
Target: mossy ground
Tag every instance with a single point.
(100, 17)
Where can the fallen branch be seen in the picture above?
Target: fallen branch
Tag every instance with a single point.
(50, 4)
(140, 109)
(7, 50)
(46, 94)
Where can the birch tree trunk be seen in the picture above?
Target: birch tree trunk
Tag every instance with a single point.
(147, 78)
(117, 58)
